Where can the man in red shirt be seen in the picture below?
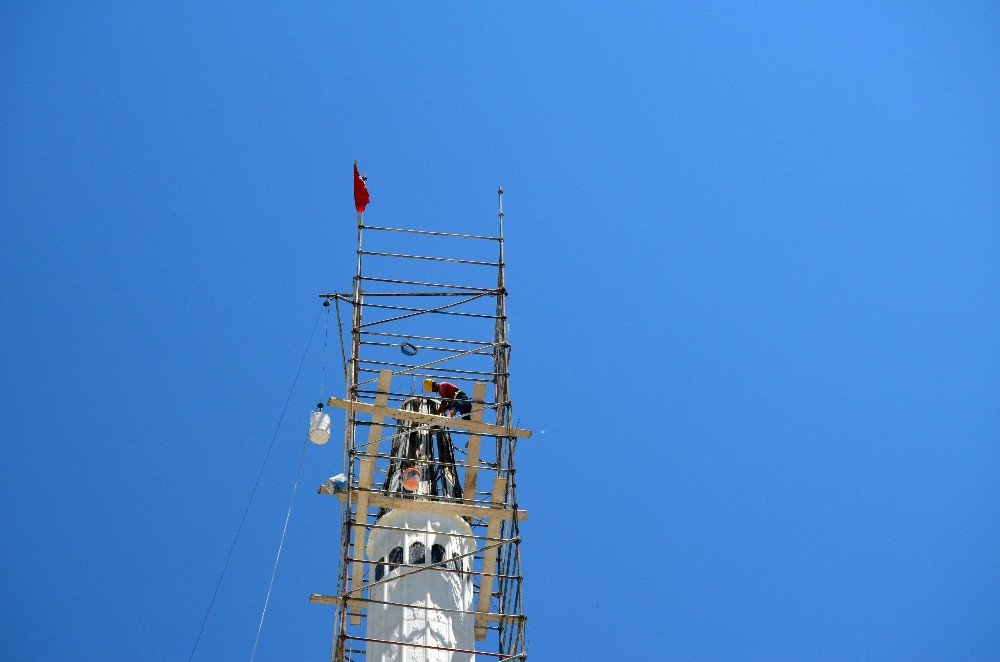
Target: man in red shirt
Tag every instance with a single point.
(452, 397)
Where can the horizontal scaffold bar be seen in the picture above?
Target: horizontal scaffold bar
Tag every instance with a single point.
(396, 281)
(450, 534)
(502, 656)
(409, 566)
(437, 311)
(453, 431)
(427, 506)
(409, 369)
(336, 601)
(413, 337)
(403, 396)
(454, 260)
(410, 373)
(438, 463)
(461, 293)
(429, 419)
(326, 488)
(411, 366)
(373, 343)
(430, 232)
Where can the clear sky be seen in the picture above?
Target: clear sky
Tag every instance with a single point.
(754, 257)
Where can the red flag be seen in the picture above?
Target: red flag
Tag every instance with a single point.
(360, 191)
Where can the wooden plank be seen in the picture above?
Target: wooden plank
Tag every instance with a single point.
(498, 513)
(429, 419)
(489, 558)
(336, 601)
(472, 449)
(364, 485)
(375, 431)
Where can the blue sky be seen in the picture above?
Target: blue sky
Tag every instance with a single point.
(753, 262)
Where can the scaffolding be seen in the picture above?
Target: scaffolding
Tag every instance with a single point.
(400, 307)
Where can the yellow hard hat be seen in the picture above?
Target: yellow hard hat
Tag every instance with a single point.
(429, 385)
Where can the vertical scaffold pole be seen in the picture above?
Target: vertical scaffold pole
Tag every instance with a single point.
(501, 371)
(500, 349)
(339, 654)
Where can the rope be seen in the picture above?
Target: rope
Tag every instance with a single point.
(295, 486)
(253, 492)
(281, 545)
(326, 337)
(340, 330)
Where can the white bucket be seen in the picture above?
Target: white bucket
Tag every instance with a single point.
(319, 428)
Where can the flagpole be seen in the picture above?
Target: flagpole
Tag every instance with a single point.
(349, 427)
(359, 202)
(356, 298)
(356, 320)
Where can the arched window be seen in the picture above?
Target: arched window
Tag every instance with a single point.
(437, 553)
(395, 557)
(416, 553)
(380, 568)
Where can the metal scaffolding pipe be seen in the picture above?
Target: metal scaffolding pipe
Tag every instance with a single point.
(437, 648)
(427, 347)
(473, 536)
(396, 281)
(386, 334)
(432, 258)
(427, 365)
(413, 374)
(431, 232)
(452, 571)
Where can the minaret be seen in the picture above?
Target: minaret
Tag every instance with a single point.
(432, 608)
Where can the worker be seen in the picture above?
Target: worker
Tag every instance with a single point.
(452, 397)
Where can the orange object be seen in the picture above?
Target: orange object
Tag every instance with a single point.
(411, 479)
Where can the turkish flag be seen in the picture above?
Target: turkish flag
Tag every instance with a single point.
(360, 191)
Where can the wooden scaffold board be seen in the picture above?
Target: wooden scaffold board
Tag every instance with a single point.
(428, 419)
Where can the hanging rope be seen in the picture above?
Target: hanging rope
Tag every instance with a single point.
(295, 487)
(253, 492)
(340, 329)
(326, 338)
(281, 546)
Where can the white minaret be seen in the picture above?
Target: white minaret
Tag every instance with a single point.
(438, 599)
(430, 608)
